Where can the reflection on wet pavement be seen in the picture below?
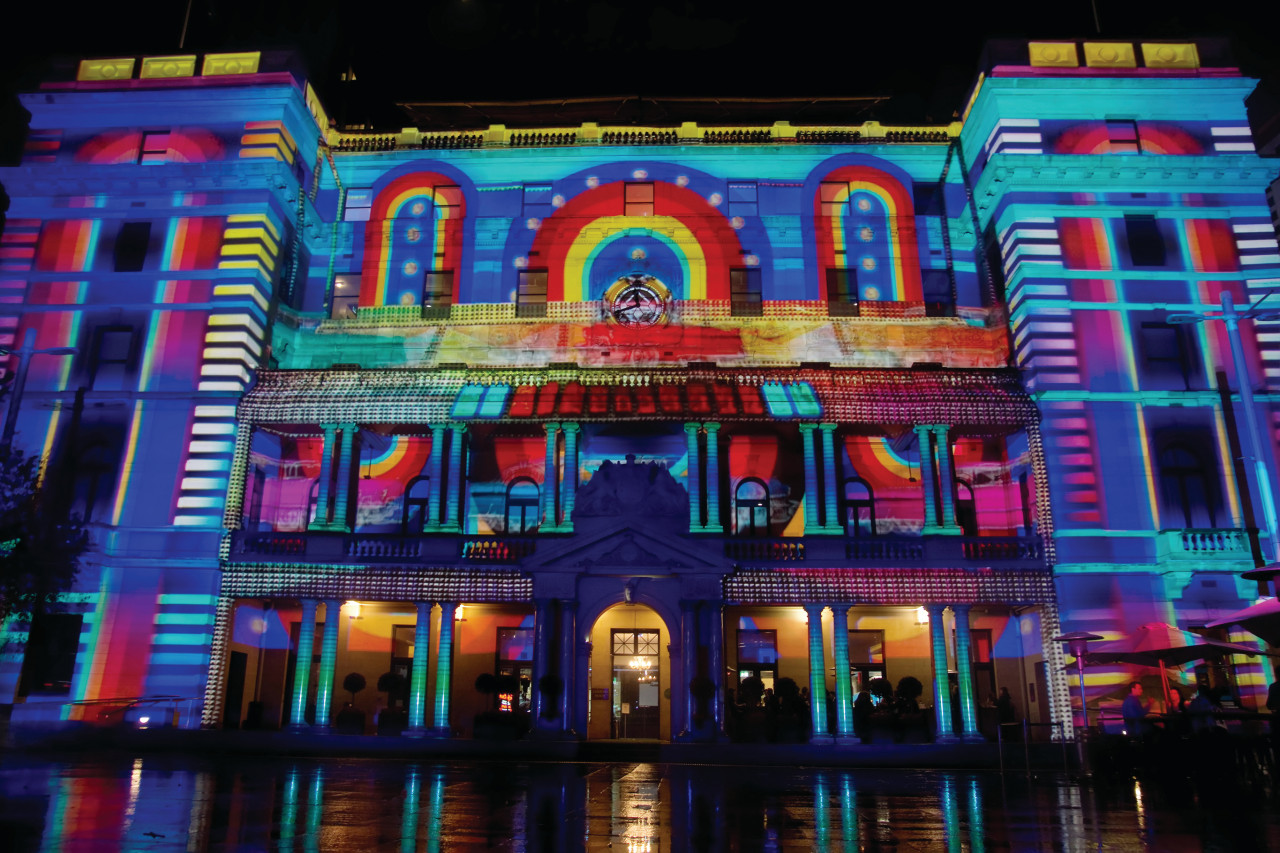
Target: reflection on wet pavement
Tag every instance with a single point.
(177, 803)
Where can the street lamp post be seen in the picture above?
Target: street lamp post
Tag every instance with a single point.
(24, 354)
(1078, 643)
(1256, 473)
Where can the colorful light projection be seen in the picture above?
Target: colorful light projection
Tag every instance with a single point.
(1096, 137)
(758, 458)
(283, 472)
(589, 241)
(892, 482)
(179, 145)
(387, 466)
(414, 227)
(864, 220)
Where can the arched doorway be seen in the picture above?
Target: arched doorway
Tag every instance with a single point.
(630, 679)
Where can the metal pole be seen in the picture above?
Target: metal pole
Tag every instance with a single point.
(1231, 318)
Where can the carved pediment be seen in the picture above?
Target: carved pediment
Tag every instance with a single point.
(629, 550)
(637, 491)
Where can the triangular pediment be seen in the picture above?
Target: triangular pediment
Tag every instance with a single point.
(628, 549)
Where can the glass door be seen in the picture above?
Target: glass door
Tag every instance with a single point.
(636, 684)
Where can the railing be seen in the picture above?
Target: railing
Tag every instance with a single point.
(770, 550)
(885, 548)
(273, 544)
(369, 547)
(1002, 548)
(495, 549)
(1205, 543)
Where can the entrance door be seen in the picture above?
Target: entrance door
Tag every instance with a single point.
(636, 690)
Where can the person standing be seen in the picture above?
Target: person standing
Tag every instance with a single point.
(1135, 711)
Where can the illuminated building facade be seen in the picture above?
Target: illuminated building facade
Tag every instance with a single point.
(621, 410)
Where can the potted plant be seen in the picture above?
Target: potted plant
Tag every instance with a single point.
(392, 720)
(351, 719)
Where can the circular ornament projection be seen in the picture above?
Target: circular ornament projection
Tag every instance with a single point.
(637, 300)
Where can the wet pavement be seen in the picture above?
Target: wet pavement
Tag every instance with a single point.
(202, 804)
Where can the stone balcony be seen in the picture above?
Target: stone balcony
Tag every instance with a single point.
(1216, 544)
(445, 550)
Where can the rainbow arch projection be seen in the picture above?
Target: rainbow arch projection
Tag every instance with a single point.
(180, 145)
(403, 459)
(415, 226)
(874, 460)
(864, 219)
(1094, 138)
(578, 235)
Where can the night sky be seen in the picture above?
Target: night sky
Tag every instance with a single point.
(923, 55)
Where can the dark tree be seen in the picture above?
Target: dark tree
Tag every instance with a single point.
(39, 553)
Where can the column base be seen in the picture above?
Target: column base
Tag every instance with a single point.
(417, 733)
(713, 528)
(822, 740)
(940, 530)
(830, 530)
(328, 527)
(848, 740)
(300, 728)
(972, 737)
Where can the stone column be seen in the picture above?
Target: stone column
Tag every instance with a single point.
(549, 482)
(688, 661)
(946, 480)
(342, 488)
(215, 685)
(812, 500)
(964, 674)
(570, 485)
(541, 658)
(444, 669)
(452, 517)
(715, 663)
(582, 694)
(568, 625)
(844, 686)
(941, 680)
(927, 482)
(832, 522)
(302, 670)
(326, 475)
(418, 675)
(817, 675)
(693, 480)
(714, 510)
(435, 470)
(328, 663)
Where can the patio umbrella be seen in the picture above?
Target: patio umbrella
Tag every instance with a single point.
(1160, 644)
(1261, 619)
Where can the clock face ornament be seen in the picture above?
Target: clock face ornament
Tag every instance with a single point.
(637, 300)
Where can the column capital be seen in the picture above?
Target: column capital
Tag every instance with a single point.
(828, 427)
(570, 426)
(961, 609)
(328, 428)
(711, 426)
(551, 426)
(457, 427)
(941, 429)
(692, 428)
(814, 609)
(349, 427)
(807, 427)
(839, 609)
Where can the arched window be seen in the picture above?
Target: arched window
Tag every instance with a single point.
(417, 505)
(966, 508)
(1187, 494)
(521, 515)
(751, 508)
(859, 508)
(313, 498)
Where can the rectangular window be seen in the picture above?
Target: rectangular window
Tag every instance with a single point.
(1164, 353)
(742, 199)
(437, 295)
(531, 294)
(155, 147)
(745, 293)
(638, 200)
(131, 246)
(515, 664)
(866, 657)
(113, 357)
(50, 659)
(346, 297)
(757, 647)
(1123, 134)
(537, 200)
(1146, 243)
(842, 292)
(834, 196)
